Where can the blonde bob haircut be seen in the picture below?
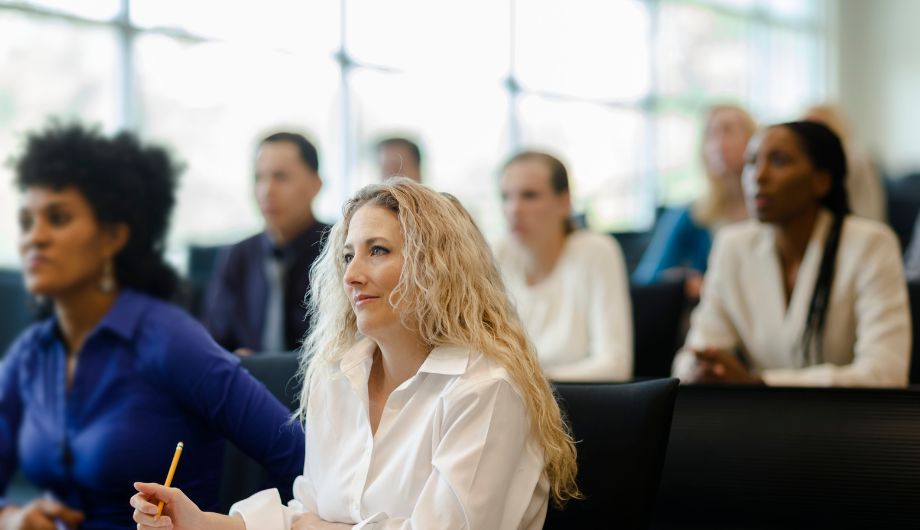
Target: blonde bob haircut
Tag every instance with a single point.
(451, 287)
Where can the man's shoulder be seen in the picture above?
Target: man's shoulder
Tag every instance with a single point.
(252, 244)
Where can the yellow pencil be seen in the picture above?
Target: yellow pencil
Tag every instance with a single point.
(169, 476)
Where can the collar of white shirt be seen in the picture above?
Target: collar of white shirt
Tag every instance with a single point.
(446, 360)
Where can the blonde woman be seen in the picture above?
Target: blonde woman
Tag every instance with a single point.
(864, 185)
(683, 236)
(423, 402)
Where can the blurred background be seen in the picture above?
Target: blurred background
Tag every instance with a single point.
(615, 87)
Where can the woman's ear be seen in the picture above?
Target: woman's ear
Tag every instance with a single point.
(565, 201)
(821, 184)
(115, 238)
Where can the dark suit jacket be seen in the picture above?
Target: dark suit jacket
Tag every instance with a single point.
(235, 302)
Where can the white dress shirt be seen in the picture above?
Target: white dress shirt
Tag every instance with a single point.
(867, 330)
(454, 449)
(579, 317)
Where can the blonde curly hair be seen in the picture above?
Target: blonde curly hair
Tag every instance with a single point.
(451, 287)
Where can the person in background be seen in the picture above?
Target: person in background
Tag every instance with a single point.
(98, 395)
(423, 401)
(804, 294)
(864, 185)
(683, 236)
(570, 286)
(399, 156)
(255, 302)
(912, 255)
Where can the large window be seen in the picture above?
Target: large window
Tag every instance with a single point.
(616, 88)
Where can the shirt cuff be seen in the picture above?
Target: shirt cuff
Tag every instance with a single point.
(263, 510)
(371, 522)
(682, 366)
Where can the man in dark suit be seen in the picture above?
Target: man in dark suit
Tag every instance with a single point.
(255, 302)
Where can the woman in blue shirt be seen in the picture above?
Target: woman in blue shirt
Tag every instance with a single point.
(683, 236)
(97, 396)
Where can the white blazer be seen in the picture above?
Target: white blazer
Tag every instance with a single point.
(867, 334)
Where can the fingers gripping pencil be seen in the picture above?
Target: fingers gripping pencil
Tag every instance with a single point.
(169, 476)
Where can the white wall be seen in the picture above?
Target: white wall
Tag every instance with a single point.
(878, 49)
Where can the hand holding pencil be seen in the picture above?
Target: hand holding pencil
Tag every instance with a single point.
(180, 508)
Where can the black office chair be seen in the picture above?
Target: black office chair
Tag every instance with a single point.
(633, 245)
(913, 293)
(791, 458)
(658, 312)
(903, 204)
(243, 476)
(622, 433)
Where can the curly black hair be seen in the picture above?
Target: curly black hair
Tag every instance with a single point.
(123, 181)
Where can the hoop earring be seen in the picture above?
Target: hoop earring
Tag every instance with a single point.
(107, 282)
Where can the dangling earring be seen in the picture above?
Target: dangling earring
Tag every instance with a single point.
(107, 283)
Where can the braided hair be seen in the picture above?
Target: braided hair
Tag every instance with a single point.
(825, 151)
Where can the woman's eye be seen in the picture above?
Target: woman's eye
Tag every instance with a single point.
(58, 218)
(378, 251)
(25, 222)
(346, 259)
(779, 159)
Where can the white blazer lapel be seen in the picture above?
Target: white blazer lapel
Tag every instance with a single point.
(802, 292)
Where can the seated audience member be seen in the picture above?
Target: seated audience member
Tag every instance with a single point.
(805, 293)
(912, 255)
(399, 157)
(570, 286)
(864, 184)
(255, 302)
(424, 403)
(683, 236)
(98, 395)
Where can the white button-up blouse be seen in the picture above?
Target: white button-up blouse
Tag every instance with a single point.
(454, 449)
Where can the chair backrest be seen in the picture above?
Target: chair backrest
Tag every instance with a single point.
(913, 292)
(14, 307)
(792, 458)
(243, 476)
(633, 245)
(658, 311)
(622, 433)
(903, 203)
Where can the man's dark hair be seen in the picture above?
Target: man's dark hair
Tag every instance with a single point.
(123, 182)
(408, 144)
(305, 148)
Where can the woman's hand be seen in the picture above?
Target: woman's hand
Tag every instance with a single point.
(40, 514)
(719, 366)
(179, 512)
(311, 521)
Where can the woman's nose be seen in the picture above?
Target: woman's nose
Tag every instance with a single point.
(354, 274)
(36, 234)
